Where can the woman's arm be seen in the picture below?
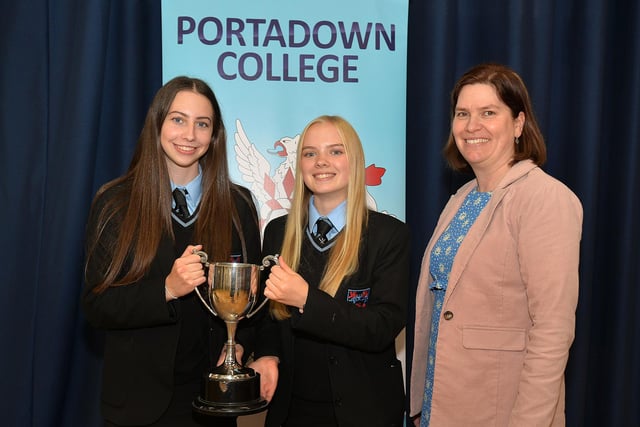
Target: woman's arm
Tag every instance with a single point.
(550, 227)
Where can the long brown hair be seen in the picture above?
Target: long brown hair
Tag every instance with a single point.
(140, 206)
(343, 256)
(512, 91)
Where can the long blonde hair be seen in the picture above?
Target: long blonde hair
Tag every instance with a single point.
(343, 256)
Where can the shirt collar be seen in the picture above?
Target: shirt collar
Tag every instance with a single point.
(193, 190)
(338, 217)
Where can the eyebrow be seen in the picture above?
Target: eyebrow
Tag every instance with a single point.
(485, 107)
(186, 115)
(309, 147)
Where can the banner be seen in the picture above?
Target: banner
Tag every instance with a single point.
(276, 65)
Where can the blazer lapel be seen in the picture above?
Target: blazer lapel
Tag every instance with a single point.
(473, 238)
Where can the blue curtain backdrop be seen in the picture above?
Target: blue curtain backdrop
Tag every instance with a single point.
(76, 79)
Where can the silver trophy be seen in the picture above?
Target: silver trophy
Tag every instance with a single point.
(232, 389)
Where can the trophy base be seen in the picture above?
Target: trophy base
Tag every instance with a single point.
(228, 410)
(230, 396)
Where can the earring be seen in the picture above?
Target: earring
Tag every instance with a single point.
(517, 140)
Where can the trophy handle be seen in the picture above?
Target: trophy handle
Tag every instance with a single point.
(204, 259)
(266, 262)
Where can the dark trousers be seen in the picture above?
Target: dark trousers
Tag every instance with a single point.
(306, 413)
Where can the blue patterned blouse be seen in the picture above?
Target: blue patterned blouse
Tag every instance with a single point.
(442, 256)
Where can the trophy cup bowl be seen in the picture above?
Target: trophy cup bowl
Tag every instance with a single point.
(231, 389)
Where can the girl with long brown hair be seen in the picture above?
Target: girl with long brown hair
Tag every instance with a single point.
(141, 270)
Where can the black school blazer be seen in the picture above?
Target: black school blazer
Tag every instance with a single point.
(365, 374)
(142, 329)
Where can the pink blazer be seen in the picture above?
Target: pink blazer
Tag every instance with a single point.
(509, 312)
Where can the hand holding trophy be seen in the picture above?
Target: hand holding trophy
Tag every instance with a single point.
(232, 389)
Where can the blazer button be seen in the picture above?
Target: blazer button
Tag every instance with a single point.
(448, 315)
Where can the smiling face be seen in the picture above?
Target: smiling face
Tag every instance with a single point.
(484, 129)
(185, 135)
(325, 166)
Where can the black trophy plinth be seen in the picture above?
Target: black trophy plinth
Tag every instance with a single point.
(230, 393)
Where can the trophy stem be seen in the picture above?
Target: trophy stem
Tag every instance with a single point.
(230, 361)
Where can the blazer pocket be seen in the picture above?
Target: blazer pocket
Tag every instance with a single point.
(493, 338)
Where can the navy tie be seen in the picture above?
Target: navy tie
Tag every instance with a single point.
(323, 225)
(181, 209)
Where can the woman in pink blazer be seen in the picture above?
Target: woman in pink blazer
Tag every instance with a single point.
(498, 289)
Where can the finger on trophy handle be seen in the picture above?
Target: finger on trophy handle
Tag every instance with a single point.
(204, 258)
(267, 260)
